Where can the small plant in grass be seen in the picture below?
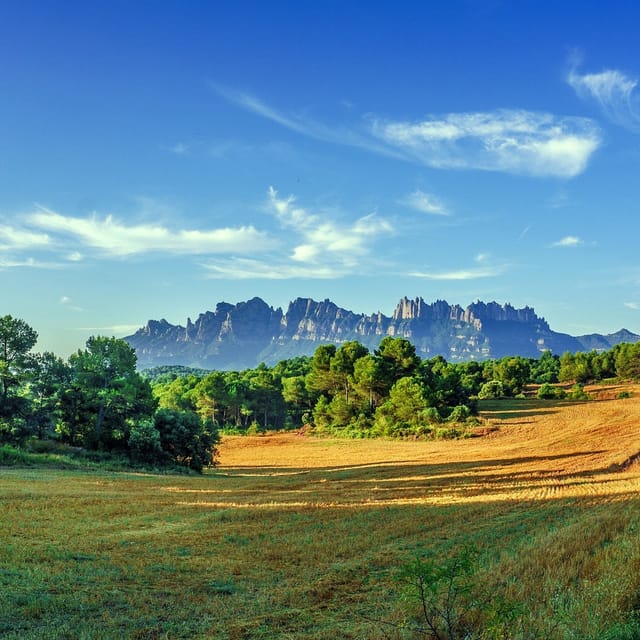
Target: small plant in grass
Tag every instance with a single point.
(444, 590)
(454, 605)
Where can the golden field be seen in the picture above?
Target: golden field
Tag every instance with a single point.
(294, 536)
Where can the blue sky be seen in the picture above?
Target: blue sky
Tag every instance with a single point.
(159, 157)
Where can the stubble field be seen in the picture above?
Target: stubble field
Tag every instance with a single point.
(293, 536)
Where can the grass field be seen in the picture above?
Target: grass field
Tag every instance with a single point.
(298, 537)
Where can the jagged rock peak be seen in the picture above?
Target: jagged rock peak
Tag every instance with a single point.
(244, 334)
(409, 309)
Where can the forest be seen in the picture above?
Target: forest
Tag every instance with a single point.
(97, 401)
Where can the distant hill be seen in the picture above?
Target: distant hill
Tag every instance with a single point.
(238, 336)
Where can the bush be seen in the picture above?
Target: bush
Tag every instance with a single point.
(11, 456)
(144, 443)
(459, 414)
(549, 392)
(186, 439)
(578, 393)
(492, 389)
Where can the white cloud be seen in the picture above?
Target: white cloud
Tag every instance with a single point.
(473, 273)
(632, 305)
(115, 238)
(323, 247)
(520, 142)
(512, 141)
(326, 239)
(425, 203)
(250, 269)
(568, 241)
(12, 238)
(614, 92)
(12, 263)
(116, 329)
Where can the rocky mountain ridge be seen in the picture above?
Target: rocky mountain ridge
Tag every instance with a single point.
(237, 336)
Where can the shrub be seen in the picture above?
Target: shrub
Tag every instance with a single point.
(459, 414)
(578, 393)
(549, 392)
(492, 389)
(144, 443)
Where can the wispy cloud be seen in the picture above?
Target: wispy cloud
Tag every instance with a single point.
(115, 329)
(67, 302)
(615, 93)
(323, 247)
(115, 238)
(12, 238)
(512, 141)
(425, 203)
(302, 124)
(326, 239)
(251, 269)
(180, 149)
(473, 273)
(632, 305)
(14, 263)
(484, 269)
(524, 232)
(520, 142)
(568, 241)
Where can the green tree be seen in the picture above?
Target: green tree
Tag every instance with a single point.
(265, 397)
(404, 410)
(398, 359)
(546, 368)
(177, 393)
(145, 444)
(627, 360)
(187, 439)
(50, 377)
(210, 397)
(107, 390)
(513, 372)
(321, 379)
(575, 367)
(342, 365)
(368, 379)
(17, 339)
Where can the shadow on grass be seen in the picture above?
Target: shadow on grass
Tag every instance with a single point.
(508, 408)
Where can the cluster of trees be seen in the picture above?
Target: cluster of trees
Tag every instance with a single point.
(95, 400)
(389, 392)
(98, 401)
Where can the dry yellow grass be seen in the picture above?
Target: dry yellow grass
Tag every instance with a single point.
(543, 450)
(298, 537)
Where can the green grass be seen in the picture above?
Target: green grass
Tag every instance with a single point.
(98, 555)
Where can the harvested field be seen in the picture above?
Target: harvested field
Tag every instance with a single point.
(294, 536)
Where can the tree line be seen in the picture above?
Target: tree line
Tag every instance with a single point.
(391, 392)
(95, 400)
(98, 401)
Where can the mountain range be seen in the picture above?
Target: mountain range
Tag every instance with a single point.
(239, 336)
